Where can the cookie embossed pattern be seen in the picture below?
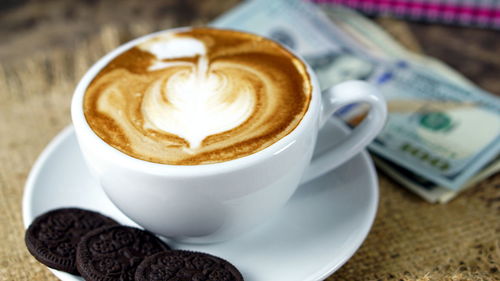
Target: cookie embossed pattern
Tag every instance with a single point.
(52, 238)
(113, 253)
(186, 265)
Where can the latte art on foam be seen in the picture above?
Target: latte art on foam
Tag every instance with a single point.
(195, 103)
(198, 97)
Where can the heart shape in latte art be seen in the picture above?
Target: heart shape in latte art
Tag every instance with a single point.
(193, 102)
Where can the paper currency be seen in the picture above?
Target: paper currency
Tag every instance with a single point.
(427, 189)
(376, 41)
(441, 127)
(440, 131)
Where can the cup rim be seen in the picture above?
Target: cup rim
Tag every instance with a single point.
(114, 155)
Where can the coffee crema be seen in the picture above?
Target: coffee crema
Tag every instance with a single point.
(198, 96)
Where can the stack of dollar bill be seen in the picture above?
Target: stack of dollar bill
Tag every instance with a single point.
(442, 134)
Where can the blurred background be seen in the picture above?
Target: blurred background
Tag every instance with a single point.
(29, 26)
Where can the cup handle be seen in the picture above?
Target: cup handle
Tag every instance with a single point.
(335, 98)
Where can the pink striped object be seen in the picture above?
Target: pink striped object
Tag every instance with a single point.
(480, 13)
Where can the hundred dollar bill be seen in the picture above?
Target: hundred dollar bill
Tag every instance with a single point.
(440, 127)
(379, 43)
(440, 131)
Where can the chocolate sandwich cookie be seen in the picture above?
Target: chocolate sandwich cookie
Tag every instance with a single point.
(186, 266)
(113, 253)
(53, 236)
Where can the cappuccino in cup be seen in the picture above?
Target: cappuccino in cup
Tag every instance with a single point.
(200, 134)
(198, 96)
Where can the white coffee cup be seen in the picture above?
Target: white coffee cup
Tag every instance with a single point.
(215, 202)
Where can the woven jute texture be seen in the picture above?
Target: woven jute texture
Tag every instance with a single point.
(410, 239)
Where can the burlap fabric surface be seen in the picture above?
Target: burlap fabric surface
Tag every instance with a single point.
(410, 239)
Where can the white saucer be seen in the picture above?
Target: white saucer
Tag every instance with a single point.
(318, 231)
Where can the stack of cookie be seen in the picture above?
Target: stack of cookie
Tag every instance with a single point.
(89, 244)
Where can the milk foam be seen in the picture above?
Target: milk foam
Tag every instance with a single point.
(192, 103)
(198, 97)
(170, 46)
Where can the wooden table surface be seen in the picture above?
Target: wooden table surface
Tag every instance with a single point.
(410, 240)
